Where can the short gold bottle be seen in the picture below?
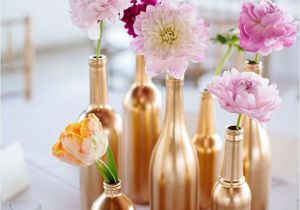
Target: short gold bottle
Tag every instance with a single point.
(208, 146)
(174, 163)
(231, 191)
(257, 155)
(90, 178)
(112, 199)
(141, 111)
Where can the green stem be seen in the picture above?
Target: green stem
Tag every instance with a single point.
(223, 61)
(112, 174)
(99, 40)
(257, 56)
(238, 122)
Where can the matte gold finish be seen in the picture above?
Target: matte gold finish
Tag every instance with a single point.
(257, 156)
(231, 192)
(174, 163)
(112, 199)
(142, 104)
(209, 150)
(90, 178)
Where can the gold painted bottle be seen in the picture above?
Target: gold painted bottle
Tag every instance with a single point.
(90, 178)
(231, 191)
(208, 147)
(174, 163)
(112, 199)
(257, 155)
(141, 111)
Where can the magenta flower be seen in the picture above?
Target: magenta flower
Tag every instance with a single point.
(133, 11)
(265, 27)
(246, 93)
(169, 35)
(86, 14)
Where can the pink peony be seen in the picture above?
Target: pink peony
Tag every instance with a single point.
(265, 27)
(246, 93)
(169, 35)
(86, 14)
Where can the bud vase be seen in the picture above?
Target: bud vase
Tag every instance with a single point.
(141, 111)
(112, 199)
(208, 146)
(257, 155)
(231, 191)
(174, 163)
(90, 178)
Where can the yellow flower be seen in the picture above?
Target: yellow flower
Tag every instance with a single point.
(82, 143)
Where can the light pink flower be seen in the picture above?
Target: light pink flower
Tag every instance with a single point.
(86, 14)
(246, 93)
(265, 27)
(169, 35)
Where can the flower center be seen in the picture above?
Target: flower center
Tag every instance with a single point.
(168, 36)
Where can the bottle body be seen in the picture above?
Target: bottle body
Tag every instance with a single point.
(174, 164)
(208, 147)
(90, 179)
(231, 191)
(112, 199)
(141, 111)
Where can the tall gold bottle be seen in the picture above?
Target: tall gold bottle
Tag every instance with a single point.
(257, 155)
(209, 150)
(231, 191)
(90, 178)
(174, 163)
(112, 199)
(141, 111)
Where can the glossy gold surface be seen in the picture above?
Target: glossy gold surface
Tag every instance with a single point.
(208, 146)
(257, 156)
(231, 191)
(141, 111)
(112, 199)
(174, 163)
(90, 178)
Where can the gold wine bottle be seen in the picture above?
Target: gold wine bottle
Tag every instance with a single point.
(112, 199)
(141, 111)
(208, 146)
(257, 155)
(231, 191)
(174, 163)
(90, 179)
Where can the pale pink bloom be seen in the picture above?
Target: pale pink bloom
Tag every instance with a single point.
(265, 27)
(86, 14)
(169, 35)
(246, 93)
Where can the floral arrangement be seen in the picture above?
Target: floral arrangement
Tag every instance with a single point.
(90, 15)
(246, 93)
(265, 27)
(84, 144)
(169, 35)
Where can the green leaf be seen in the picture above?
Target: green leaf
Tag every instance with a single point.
(102, 172)
(111, 163)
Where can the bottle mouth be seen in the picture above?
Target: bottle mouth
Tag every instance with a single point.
(172, 81)
(234, 134)
(112, 186)
(94, 62)
(252, 66)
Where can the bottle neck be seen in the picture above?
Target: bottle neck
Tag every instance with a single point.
(206, 124)
(174, 115)
(112, 190)
(140, 76)
(98, 81)
(253, 67)
(232, 171)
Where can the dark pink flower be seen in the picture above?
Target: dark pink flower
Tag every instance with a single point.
(265, 27)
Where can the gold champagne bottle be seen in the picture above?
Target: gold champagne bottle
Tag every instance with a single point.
(174, 163)
(90, 178)
(112, 199)
(257, 155)
(141, 111)
(231, 191)
(208, 146)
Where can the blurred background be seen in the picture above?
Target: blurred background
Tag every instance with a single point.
(45, 86)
